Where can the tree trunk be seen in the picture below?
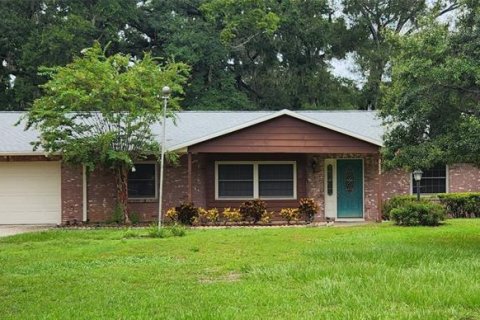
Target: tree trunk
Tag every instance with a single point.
(121, 177)
(373, 84)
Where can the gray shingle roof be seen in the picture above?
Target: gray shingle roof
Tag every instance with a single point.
(195, 126)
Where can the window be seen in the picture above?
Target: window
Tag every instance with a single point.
(330, 180)
(433, 180)
(235, 181)
(142, 181)
(275, 180)
(251, 180)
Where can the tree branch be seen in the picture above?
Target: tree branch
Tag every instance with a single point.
(455, 5)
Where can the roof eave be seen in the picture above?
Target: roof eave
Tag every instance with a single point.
(25, 153)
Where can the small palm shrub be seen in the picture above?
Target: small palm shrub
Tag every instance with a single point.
(290, 214)
(307, 208)
(418, 213)
(253, 210)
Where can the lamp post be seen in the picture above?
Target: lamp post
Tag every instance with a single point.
(417, 175)
(166, 94)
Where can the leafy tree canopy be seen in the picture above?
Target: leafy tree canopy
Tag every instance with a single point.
(433, 103)
(99, 110)
(245, 55)
(372, 21)
(37, 33)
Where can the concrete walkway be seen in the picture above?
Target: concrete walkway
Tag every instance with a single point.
(10, 230)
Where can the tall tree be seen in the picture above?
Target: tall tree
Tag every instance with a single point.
(280, 51)
(433, 104)
(179, 29)
(38, 33)
(376, 19)
(98, 111)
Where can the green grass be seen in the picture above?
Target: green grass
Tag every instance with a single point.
(364, 272)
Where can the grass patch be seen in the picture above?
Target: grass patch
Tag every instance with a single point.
(364, 272)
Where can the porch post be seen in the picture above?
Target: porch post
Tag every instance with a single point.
(189, 165)
(380, 188)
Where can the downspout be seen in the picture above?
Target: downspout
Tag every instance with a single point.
(380, 188)
(84, 194)
(189, 160)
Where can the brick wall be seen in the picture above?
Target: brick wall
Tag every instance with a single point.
(315, 183)
(395, 182)
(463, 177)
(72, 194)
(102, 195)
(371, 188)
(101, 192)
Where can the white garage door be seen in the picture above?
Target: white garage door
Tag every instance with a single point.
(30, 192)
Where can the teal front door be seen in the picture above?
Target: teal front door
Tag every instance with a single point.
(349, 188)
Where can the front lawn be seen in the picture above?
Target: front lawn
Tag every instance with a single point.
(364, 272)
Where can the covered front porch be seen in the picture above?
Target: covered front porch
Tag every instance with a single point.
(346, 187)
(283, 160)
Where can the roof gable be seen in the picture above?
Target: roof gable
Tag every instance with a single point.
(303, 117)
(284, 134)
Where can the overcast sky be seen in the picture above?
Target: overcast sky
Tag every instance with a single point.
(346, 68)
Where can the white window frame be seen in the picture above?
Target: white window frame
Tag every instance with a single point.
(156, 181)
(256, 181)
(447, 183)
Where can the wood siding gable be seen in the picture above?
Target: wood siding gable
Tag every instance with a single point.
(284, 134)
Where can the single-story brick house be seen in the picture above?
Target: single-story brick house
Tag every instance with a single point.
(225, 158)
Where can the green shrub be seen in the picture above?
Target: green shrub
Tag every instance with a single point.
(134, 217)
(153, 231)
(461, 205)
(131, 233)
(178, 230)
(308, 208)
(186, 213)
(116, 215)
(418, 213)
(395, 202)
(253, 210)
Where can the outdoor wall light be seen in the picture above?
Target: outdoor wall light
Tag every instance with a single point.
(314, 164)
(417, 176)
